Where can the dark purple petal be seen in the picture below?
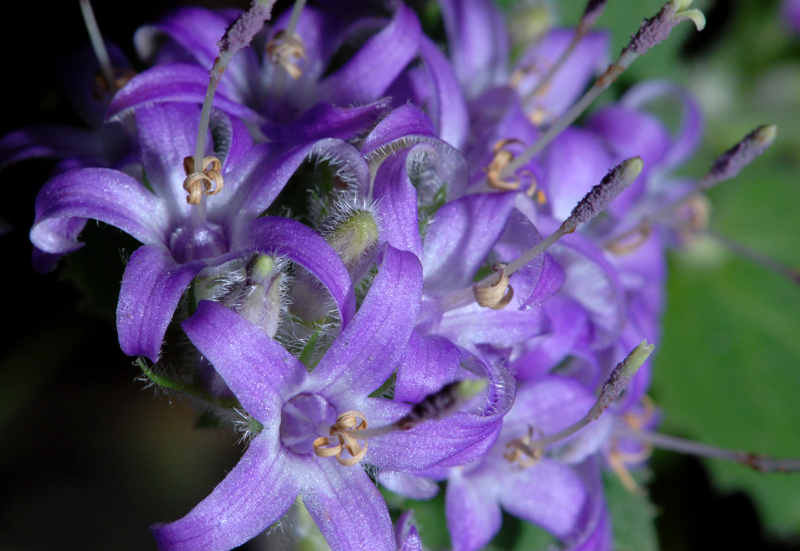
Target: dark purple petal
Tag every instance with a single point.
(197, 31)
(447, 106)
(257, 368)
(327, 121)
(368, 74)
(396, 202)
(460, 238)
(370, 347)
(348, 508)
(473, 515)
(176, 82)
(300, 244)
(429, 363)
(256, 493)
(151, 288)
(593, 530)
(60, 142)
(101, 194)
(478, 43)
(790, 11)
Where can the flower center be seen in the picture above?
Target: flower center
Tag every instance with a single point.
(303, 419)
(190, 243)
(342, 430)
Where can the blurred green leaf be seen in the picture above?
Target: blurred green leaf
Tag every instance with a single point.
(632, 516)
(728, 372)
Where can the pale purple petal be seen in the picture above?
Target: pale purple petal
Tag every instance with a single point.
(407, 485)
(478, 43)
(347, 507)
(300, 244)
(686, 139)
(101, 194)
(151, 288)
(475, 324)
(396, 202)
(257, 368)
(368, 74)
(460, 238)
(548, 494)
(406, 533)
(574, 163)
(256, 493)
(473, 515)
(589, 58)
(370, 347)
(429, 363)
(176, 82)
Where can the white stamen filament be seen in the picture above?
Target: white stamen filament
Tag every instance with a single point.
(98, 45)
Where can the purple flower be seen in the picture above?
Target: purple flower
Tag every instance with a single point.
(179, 241)
(303, 415)
(790, 10)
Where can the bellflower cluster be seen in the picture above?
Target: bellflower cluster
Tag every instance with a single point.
(400, 266)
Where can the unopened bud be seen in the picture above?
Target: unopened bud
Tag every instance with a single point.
(733, 161)
(594, 9)
(353, 234)
(601, 195)
(620, 378)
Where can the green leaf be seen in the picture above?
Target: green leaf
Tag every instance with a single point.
(533, 538)
(632, 515)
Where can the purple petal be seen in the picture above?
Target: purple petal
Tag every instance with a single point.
(460, 237)
(348, 508)
(405, 121)
(396, 201)
(447, 106)
(101, 194)
(473, 514)
(406, 533)
(593, 530)
(176, 82)
(302, 245)
(377, 63)
(429, 363)
(477, 42)
(370, 347)
(152, 285)
(260, 179)
(259, 371)
(256, 493)
(790, 11)
(430, 443)
(327, 121)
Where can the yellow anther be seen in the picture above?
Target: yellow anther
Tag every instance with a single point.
(103, 87)
(515, 454)
(345, 423)
(619, 460)
(626, 246)
(208, 182)
(501, 159)
(496, 296)
(538, 116)
(286, 51)
(540, 197)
